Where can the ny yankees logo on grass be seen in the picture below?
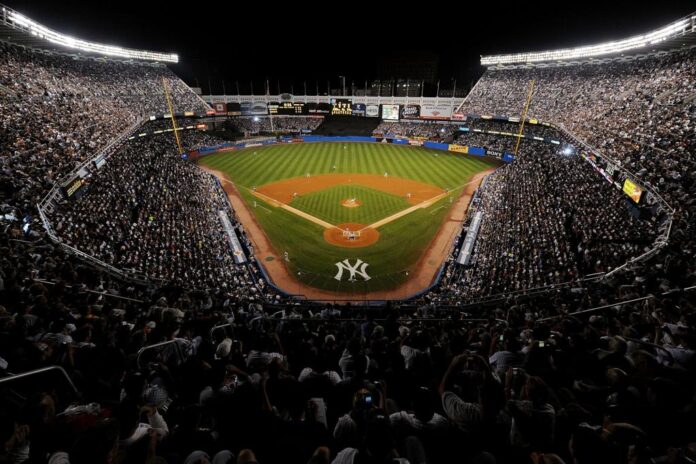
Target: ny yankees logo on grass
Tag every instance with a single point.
(358, 268)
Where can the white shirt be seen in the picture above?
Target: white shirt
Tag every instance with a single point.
(459, 411)
(403, 418)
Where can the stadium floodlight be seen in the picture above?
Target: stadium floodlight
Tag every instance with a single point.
(21, 22)
(568, 150)
(675, 29)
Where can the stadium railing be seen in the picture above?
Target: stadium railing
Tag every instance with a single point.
(160, 347)
(50, 203)
(23, 375)
(664, 229)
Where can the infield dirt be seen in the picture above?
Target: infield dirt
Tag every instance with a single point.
(413, 191)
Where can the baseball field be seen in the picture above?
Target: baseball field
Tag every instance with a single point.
(349, 219)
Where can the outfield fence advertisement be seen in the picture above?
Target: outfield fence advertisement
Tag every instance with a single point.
(372, 111)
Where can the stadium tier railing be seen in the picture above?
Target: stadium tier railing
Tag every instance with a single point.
(86, 290)
(11, 378)
(665, 227)
(160, 348)
(51, 201)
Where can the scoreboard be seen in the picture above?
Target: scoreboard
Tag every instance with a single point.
(341, 106)
(291, 108)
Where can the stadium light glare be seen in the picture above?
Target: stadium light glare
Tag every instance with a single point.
(632, 43)
(568, 150)
(22, 22)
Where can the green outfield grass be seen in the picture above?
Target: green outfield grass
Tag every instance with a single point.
(401, 242)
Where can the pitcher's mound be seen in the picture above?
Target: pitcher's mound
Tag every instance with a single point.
(351, 203)
(351, 235)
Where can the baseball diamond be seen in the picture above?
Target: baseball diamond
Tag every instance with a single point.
(297, 195)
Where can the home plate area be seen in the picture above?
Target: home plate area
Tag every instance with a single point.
(351, 235)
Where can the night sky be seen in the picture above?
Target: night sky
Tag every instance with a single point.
(252, 41)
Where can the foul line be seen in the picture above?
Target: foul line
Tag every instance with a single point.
(296, 211)
(423, 204)
(404, 212)
(375, 225)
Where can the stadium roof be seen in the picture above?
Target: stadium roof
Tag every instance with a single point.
(18, 28)
(678, 34)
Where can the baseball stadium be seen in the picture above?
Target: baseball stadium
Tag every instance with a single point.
(473, 245)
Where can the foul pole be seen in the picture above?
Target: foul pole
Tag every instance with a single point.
(524, 116)
(171, 113)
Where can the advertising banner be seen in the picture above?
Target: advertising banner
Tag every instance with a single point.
(359, 109)
(458, 148)
(73, 189)
(441, 112)
(372, 111)
(458, 117)
(253, 108)
(319, 108)
(220, 108)
(410, 112)
(632, 190)
(341, 107)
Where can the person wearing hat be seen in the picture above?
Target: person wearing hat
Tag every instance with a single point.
(156, 397)
(223, 349)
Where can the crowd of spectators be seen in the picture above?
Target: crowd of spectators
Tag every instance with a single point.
(548, 218)
(640, 113)
(497, 125)
(150, 212)
(344, 385)
(56, 111)
(522, 381)
(275, 124)
(442, 132)
(490, 142)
